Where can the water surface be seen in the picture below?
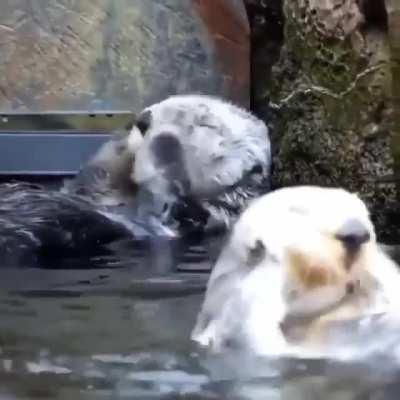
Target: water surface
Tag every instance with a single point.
(118, 327)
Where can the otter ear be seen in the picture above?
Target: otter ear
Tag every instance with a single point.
(144, 121)
(256, 253)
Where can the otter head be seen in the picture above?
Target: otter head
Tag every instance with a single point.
(193, 149)
(295, 252)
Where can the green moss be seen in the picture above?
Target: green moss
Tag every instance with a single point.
(325, 140)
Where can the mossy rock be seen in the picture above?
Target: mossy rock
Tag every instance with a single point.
(334, 126)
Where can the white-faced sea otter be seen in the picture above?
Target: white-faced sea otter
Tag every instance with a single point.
(298, 261)
(201, 160)
(189, 163)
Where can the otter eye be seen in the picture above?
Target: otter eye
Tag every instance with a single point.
(256, 253)
(350, 288)
(257, 169)
(144, 121)
(209, 126)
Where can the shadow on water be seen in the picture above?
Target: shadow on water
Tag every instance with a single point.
(118, 326)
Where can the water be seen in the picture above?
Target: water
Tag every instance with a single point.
(121, 331)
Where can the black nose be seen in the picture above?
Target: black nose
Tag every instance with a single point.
(167, 149)
(353, 234)
(168, 153)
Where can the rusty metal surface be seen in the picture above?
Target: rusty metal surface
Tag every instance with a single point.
(229, 31)
(63, 55)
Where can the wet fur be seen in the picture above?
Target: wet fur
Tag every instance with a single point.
(98, 205)
(87, 213)
(37, 223)
(286, 300)
(225, 159)
(106, 178)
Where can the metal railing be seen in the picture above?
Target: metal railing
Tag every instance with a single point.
(54, 143)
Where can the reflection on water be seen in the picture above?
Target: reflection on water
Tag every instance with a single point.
(122, 331)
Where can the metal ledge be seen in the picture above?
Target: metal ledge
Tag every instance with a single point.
(32, 153)
(53, 143)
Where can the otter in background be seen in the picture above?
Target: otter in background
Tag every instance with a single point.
(189, 163)
(202, 159)
(299, 261)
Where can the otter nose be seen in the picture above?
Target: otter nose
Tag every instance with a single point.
(169, 159)
(353, 234)
(167, 149)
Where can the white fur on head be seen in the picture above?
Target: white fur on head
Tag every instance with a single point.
(220, 143)
(283, 260)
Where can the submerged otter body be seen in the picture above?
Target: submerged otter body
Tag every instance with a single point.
(91, 210)
(299, 261)
(37, 223)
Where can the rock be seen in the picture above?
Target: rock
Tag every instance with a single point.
(393, 12)
(330, 92)
(106, 55)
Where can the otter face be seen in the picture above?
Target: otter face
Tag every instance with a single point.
(322, 267)
(295, 252)
(195, 147)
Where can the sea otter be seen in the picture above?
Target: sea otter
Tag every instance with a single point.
(189, 163)
(298, 261)
(200, 162)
